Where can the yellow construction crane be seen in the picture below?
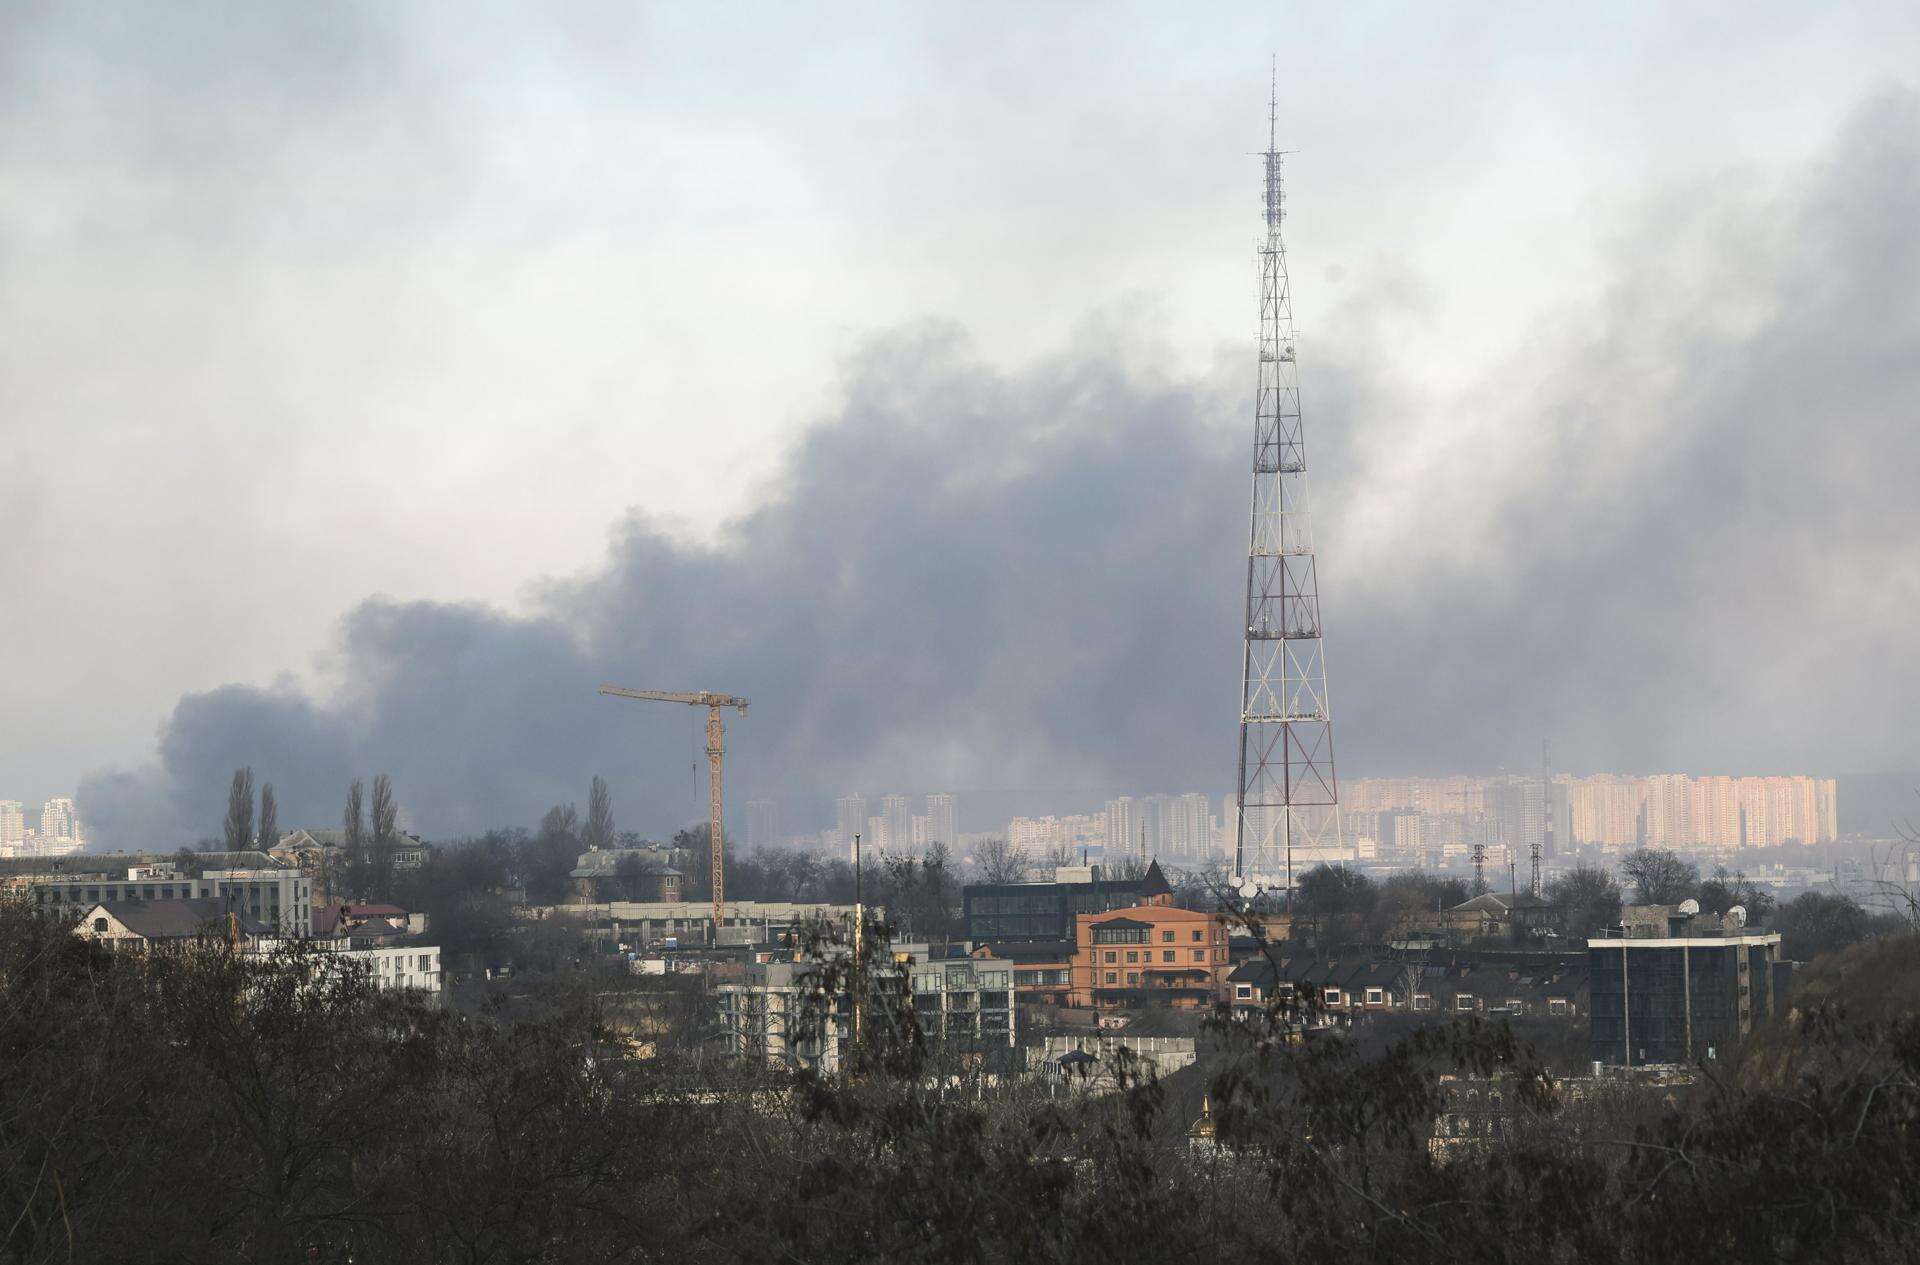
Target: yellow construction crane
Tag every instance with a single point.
(716, 746)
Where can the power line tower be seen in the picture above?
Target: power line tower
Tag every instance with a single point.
(1286, 794)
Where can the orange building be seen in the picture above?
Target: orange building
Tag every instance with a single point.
(1149, 955)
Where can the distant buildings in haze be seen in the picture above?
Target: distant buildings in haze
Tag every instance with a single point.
(896, 826)
(57, 833)
(1662, 810)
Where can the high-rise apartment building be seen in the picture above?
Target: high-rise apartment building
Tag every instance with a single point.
(763, 823)
(897, 811)
(1606, 808)
(1124, 837)
(943, 819)
(57, 820)
(1190, 828)
(850, 817)
(13, 824)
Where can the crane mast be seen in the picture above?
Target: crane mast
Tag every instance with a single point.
(716, 748)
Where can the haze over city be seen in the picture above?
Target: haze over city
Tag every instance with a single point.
(650, 633)
(379, 382)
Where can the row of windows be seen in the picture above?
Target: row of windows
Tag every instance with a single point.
(1166, 955)
(1142, 935)
(1133, 981)
(1462, 1002)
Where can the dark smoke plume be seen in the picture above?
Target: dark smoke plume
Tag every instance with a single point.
(1676, 533)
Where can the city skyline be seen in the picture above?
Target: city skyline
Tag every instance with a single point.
(984, 519)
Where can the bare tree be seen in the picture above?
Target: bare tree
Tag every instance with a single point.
(598, 833)
(1000, 861)
(353, 839)
(1659, 877)
(240, 811)
(1586, 899)
(269, 835)
(1058, 855)
(385, 836)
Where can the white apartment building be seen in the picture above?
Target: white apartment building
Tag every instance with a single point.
(943, 820)
(276, 898)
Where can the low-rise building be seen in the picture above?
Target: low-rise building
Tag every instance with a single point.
(1352, 985)
(275, 895)
(142, 924)
(1678, 986)
(690, 923)
(625, 874)
(963, 1005)
(1149, 955)
(996, 912)
(1042, 969)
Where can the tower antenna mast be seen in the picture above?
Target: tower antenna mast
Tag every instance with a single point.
(1287, 795)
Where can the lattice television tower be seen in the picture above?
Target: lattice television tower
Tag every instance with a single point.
(1287, 795)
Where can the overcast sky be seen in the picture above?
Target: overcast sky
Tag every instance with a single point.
(376, 379)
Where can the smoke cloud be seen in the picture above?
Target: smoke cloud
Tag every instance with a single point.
(1675, 531)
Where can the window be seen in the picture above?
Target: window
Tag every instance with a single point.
(1463, 1001)
(1423, 1001)
(1198, 935)
(1133, 978)
(1556, 1005)
(1243, 991)
(1119, 935)
(1112, 957)
(1376, 997)
(1515, 1003)
(1133, 955)
(1199, 955)
(1167, 955)
(100, 924)
(1110, 977)
(1166, 937)
(1332, 996)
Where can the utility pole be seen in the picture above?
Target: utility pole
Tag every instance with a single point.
(858, 981)
(1546, 810)
(716, 747)
(1286, 789)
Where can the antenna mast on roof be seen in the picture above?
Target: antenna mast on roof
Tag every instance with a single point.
(1286, 793)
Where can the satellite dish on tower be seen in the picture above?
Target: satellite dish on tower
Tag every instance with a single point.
(1689, 907)
(1737, 915)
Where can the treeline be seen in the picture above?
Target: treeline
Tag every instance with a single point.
(468, 887)
(189, 1107)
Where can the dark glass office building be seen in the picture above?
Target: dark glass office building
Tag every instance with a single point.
(1045, 911)
(1680, 999)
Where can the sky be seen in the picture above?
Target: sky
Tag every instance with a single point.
(379, 379)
